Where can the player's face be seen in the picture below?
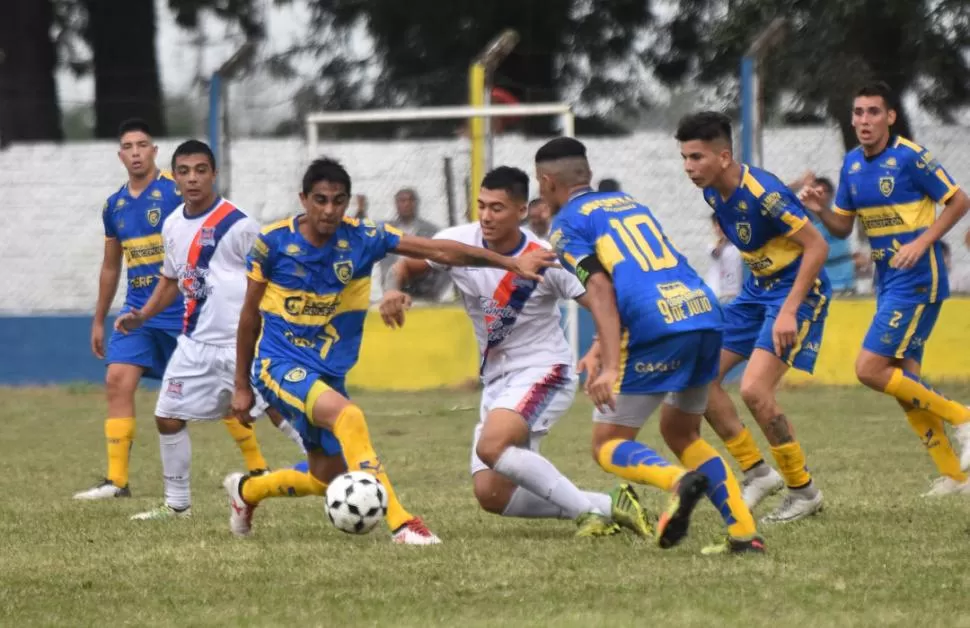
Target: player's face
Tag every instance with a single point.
(325, 206)
(498, 214)
(137, 153)
(871, 119)
(704, 161)
(195, 177)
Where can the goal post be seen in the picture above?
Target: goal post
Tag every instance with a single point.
(562, 111)
(752, 101)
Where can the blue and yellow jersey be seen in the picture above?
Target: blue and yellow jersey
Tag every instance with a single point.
(316, 298)
(658, 294)
(894, 194)
(137, 224)
(759, 219)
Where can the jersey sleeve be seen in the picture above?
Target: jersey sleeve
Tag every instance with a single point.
(784, 211)
(259, 261)
(244, 236)
(564, 283)
(572, 242)
(109, 226)
(930, 178)
(379, 240)
(843, 200)
(168, 264)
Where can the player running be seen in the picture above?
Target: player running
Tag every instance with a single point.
(775, 323)
(527, 369)
(894, 185)
(659, 336)
(206, 242)
(303, 319)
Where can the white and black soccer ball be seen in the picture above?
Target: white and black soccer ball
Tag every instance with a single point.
(356, 502)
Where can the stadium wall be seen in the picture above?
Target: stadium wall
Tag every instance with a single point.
(436, 349)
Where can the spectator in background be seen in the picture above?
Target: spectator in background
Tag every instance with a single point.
(432, 285)
(840, 264)
(608, 185)
(539, 218)
(726, 273)
(959, 276)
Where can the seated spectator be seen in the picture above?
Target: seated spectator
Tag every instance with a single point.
(433, 285)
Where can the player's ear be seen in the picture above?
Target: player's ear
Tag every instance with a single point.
(891, 116)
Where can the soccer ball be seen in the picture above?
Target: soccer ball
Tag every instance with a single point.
(356, 502)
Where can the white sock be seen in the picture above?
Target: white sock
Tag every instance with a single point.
(536, 474)
(528, 505)
(292, 434)
(176, 465)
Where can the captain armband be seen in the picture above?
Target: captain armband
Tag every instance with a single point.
(587, 267)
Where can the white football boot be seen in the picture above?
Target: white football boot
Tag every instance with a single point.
(943, 486)
(414, 532)
(961, 433)
(240, 513)
(759, 483)
(797, 505)
(105, 490)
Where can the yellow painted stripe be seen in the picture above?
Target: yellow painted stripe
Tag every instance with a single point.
(287, 397)
(910, 330)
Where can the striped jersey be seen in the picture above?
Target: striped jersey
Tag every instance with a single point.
(206, 254)
(516, 321)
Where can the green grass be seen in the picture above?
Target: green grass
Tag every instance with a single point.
(878, 556)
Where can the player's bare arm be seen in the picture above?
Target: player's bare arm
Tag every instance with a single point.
(815, 251)
(451, 253)
(953, 210)
(601, 302)
(247, 335)
(107, 288)
(165, 293)
(589, 363)
(839, 225)
(395, 303)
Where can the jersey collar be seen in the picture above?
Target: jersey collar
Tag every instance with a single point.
(203, 214)
(518, 248)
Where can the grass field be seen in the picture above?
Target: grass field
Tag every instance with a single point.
(878, 556)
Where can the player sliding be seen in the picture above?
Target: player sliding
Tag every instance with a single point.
(205, 244)
(894, 186)
(658, 329)
(527, 369)
(308, 294)
(775, 323)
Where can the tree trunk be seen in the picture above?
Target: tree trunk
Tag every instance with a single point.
(126, 82)
(29, 109)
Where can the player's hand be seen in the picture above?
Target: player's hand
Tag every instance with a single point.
(129, 321)
(811, 198)
(785, 332)
(242, 402)
(529, 264)
(590, 364)
(393, 306)
(908, 255)
(97, 339)
(600, 390)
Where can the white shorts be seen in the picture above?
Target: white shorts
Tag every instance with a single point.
(199, 382)
(540, 395)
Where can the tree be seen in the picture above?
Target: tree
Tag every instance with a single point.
(422, 50)
(29, 108)
(830, 48)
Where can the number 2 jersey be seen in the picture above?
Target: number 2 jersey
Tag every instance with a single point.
(136, 222)
(658, 294)
(516, 321)
(316, 298)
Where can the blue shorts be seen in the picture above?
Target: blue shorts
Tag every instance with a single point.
(145, 347)
(670, 364)
(748, 324)
(285, 386)
(900, 330)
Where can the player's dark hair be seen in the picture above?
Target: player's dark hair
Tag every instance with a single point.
(880, 89)
(325, 169)
(194, 147)
(134, 124)
(826, 183)
(608, 185)
(705, 126)
(560, 148)
(513, 181)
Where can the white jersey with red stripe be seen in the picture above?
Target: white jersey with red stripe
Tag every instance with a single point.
(206, 254)
(517, 322)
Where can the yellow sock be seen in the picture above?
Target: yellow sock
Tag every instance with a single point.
(282, 483)
(723, 489)
(350, 428)
(634, 461)
(910, 389)
(119, 433)
(929, 428)
(791, 463)
(743, 448)
(245, 437)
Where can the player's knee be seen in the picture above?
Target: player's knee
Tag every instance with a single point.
(169, 426)
(119, 385)
(868, 373)
(489, 499)
(755, 395)
(489, 450)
